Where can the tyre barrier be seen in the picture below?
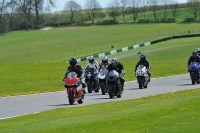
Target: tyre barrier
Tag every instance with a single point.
(137, 46)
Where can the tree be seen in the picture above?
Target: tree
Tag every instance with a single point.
(194, 7)
(113, 9)
(144, 7)
(135, 5)
(3, 6)
(174, 6)
(123, 6)
(23, 9)
(92, 7)
(11, 5)
(165, 6)
(72, 7)
(154, 4)
(4, 27)
(38, 7)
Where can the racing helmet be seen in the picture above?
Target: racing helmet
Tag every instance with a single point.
(194, 54)
(142, 57)
(91, 59)
(105, 60)
(114, 62)
(198, 51)
(72, 62)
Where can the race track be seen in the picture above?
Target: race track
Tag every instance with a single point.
(30, 104)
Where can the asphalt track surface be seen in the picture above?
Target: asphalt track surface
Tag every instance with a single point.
(30, 104)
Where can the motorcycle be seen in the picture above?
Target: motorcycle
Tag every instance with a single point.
(142, 76)
(194, 70)
(91, 80)
(74, 88)
(114, 84)
(102, 80)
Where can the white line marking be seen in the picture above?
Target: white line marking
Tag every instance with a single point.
(17, 116)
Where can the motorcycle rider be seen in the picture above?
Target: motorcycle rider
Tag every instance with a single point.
(93, 64)
(198, 51)
(117, 66)
(194, 58)
(104, 63)
(145, 62)
(75, 67)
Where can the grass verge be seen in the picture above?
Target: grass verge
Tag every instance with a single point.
(176, 112)
(18, 79)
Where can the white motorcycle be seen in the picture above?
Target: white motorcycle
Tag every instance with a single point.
(142, 76)
(102, 81)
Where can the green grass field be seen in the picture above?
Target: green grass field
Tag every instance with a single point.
(25, 78)
(24, 69)
(59, 44)
(34, 61)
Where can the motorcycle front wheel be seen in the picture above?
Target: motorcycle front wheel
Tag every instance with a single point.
(89, 86)
(71, 97)
(111, 91)
(141, 82)
(193, 77)
(103, 89)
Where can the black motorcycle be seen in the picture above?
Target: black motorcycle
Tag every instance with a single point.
(91, 80)
(114, 84)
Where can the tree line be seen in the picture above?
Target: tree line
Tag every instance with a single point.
(34, 14)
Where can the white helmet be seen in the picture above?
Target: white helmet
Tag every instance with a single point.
(91, 59)
(198, 51)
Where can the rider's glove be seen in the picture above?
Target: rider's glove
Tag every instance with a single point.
(121, 75)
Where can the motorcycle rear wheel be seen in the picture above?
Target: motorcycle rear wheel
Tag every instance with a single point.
(118, 96)
(80, 101)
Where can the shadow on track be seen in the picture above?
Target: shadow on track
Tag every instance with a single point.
(59, 105)
(93, 94)
(101, 98)
(184, 84)
(132, 89)
(185, 79)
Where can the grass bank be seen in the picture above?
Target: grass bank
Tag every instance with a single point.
(25, 78)
(173, 112)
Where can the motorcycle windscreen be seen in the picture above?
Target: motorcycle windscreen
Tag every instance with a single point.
(91, 72)
(71, 75)
(194, 66)
(112, 75)
(71, 79)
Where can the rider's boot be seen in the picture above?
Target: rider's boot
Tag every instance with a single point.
(149, 76)
(122, 88)
(83, 86)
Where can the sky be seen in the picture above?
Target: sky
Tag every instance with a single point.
(60, 4)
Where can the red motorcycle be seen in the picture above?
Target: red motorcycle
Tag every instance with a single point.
(74, 88)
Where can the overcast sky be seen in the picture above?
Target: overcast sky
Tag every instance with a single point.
(61, 3)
